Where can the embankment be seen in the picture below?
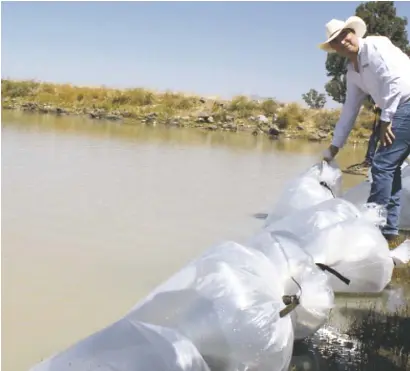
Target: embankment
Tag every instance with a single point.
(132, 106)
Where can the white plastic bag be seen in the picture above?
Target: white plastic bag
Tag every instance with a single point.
(128, 345)
(228, 302)
(319, 183)
(317, 217)
(300, 276)
(356, 249)
(360, 193)
(401, 254)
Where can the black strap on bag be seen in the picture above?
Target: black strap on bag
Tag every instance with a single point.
(324, 184)
(325, 267)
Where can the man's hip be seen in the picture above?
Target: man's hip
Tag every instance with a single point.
(401, 122)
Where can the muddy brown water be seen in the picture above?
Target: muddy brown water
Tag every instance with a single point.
(96, 214)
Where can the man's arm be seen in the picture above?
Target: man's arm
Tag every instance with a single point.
(354, 100)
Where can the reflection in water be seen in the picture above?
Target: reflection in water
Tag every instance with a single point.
(241, 141)
(374, 336)
(96, 214)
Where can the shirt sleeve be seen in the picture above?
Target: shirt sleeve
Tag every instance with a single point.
(354, 100)
(388, 82)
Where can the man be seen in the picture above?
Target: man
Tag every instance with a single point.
(374, 137)
(377, 68)
(363, 167)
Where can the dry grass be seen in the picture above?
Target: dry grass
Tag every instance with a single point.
(70, 96)
(133, 103)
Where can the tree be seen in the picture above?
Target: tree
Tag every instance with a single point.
(337, 68)
(381, 19)
(313, 99)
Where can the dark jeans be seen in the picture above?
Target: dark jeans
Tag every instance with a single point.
(373, 140)
(386, 169)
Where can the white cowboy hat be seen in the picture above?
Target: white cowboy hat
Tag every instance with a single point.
(335, 26)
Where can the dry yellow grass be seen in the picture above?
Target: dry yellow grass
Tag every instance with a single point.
(135, 103)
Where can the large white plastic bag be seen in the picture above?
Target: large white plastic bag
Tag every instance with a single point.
(228, 303)
(300, 276)
(319, 183)
(312, 219)
(401, 254)
(357, 250)
(360, 193)
(128, 345)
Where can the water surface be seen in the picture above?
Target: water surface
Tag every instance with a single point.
(95, 215)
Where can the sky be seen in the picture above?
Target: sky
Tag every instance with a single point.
(264, 49)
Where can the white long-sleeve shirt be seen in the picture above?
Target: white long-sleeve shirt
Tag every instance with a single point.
(384, 74)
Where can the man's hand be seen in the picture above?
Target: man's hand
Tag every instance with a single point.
(330, 153)
(386, 134)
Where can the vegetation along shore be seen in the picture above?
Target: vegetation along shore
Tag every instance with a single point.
(132, 106)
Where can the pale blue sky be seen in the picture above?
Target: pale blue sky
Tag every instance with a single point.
(267, 49)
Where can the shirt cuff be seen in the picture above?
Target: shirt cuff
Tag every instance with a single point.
(338, 142)
(386, 116)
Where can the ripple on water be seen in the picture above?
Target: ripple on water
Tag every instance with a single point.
(365, 333)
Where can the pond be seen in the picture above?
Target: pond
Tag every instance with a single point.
(96, 214)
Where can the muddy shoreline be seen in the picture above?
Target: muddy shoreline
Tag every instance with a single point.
(254, 125)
